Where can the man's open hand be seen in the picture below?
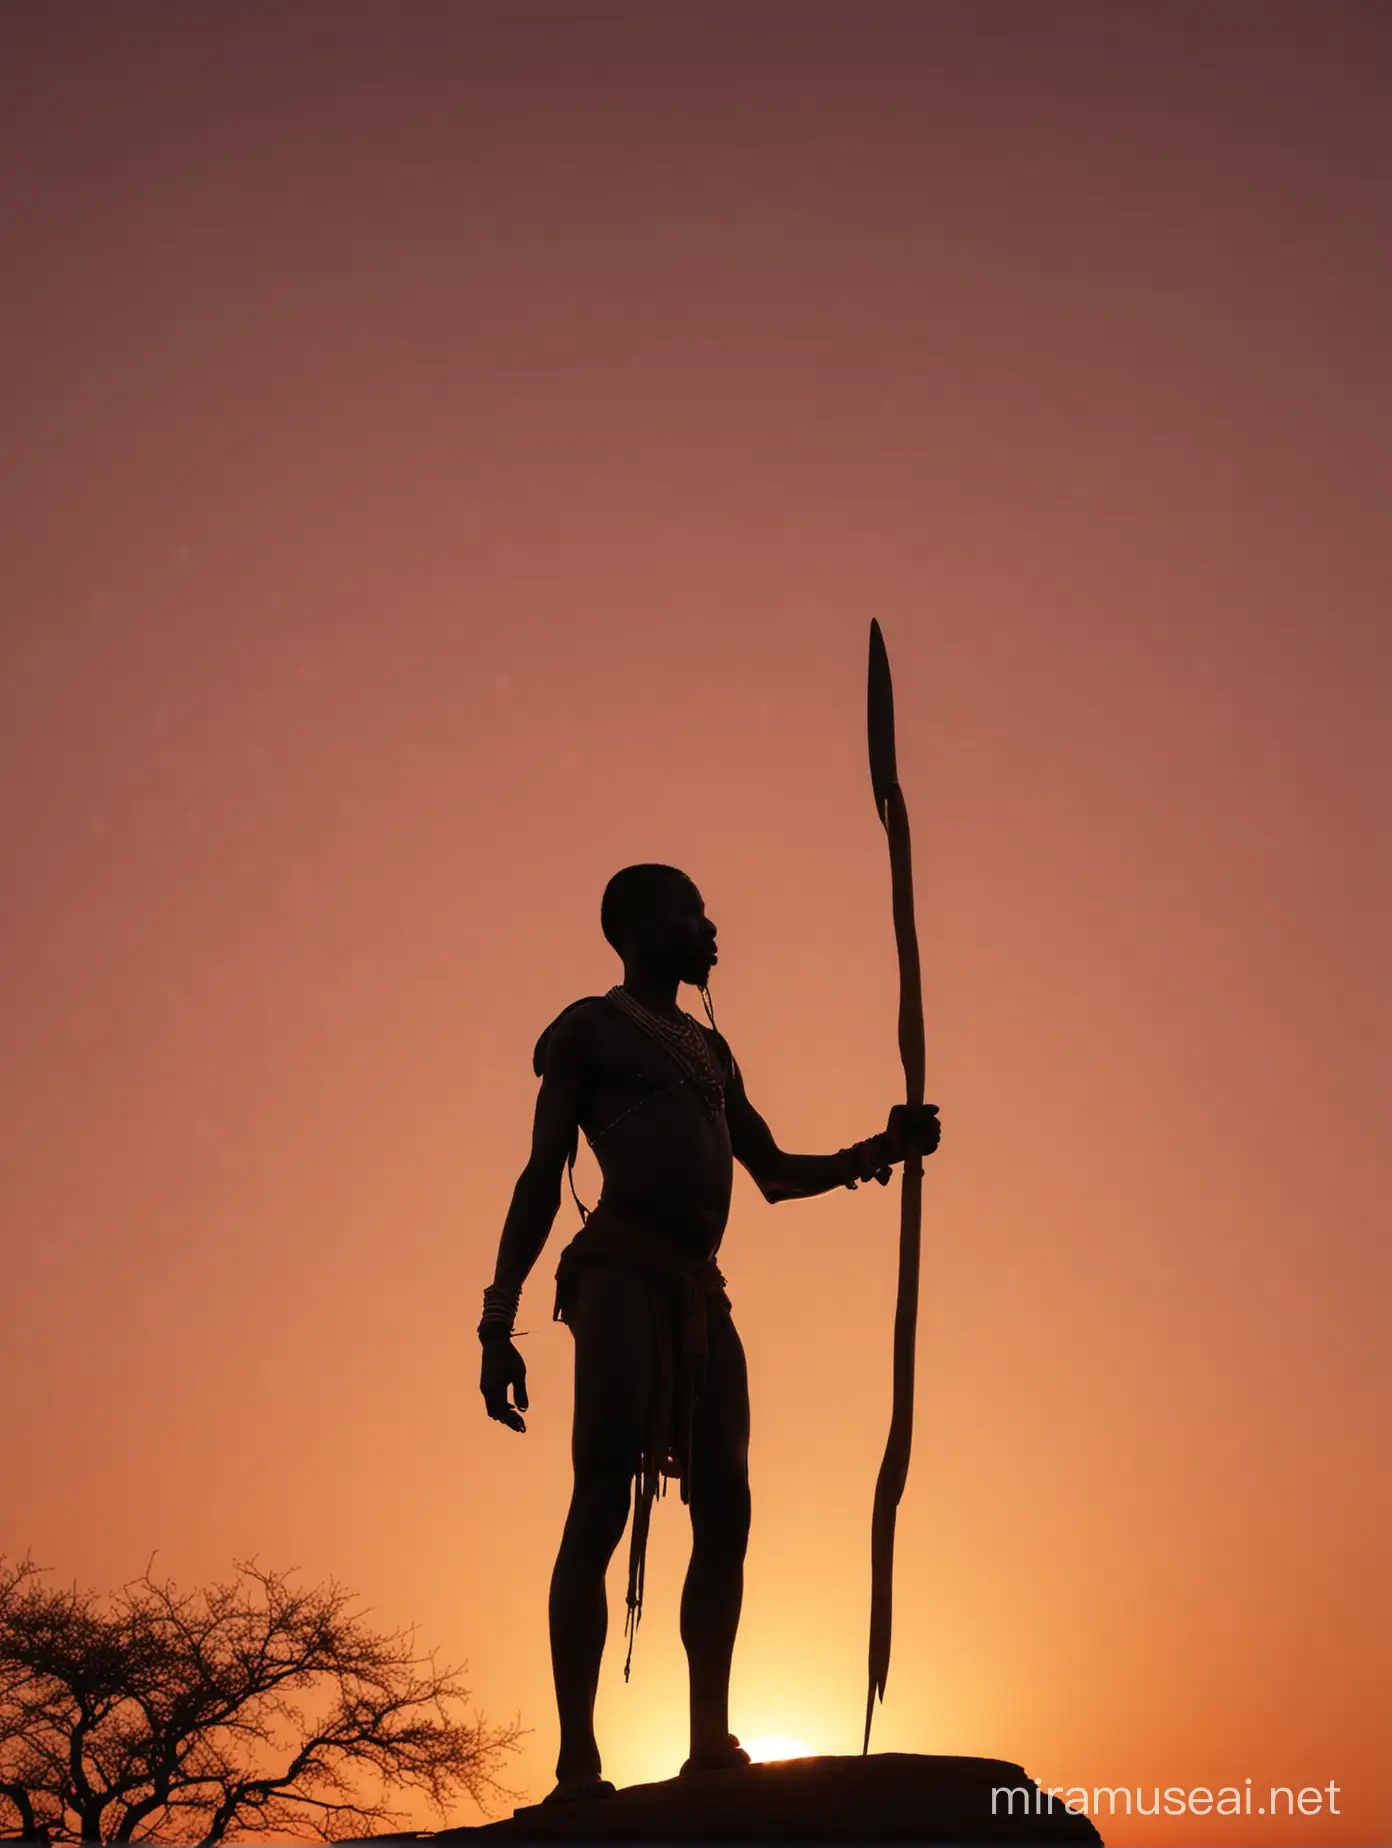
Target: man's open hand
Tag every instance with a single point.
(504, 1367)
(913, 1128)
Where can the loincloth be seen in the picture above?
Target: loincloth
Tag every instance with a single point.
(680, 1290)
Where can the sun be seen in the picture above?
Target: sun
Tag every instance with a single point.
(769, 1747)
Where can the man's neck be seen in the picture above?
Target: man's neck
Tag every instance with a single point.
(653, 991)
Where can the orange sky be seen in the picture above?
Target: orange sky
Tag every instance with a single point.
(454, 451)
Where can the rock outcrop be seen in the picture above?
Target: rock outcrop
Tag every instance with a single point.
(885, 1797)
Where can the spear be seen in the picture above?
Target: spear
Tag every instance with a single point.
(894, 1469)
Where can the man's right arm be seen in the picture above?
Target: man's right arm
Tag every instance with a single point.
(534, 1202)
(537, 1195)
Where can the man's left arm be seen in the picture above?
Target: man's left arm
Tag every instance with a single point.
(780, 1175)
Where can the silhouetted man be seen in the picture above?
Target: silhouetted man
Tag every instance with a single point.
(660, 1381)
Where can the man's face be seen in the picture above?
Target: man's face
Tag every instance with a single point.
(679, 937)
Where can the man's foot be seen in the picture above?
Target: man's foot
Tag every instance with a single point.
(727, 1757)
(580, 1784)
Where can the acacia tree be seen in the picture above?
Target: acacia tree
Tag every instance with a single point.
(155, 1713)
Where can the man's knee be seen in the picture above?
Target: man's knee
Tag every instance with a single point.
(599, 1509)
(720, 1511)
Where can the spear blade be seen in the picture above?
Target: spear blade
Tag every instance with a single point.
(894, 1468)
(879, 721)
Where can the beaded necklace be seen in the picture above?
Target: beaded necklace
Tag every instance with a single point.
(683, 1041)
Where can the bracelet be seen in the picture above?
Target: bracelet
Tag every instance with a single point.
(499, 1312)
(866, 1160)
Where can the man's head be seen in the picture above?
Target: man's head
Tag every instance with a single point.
(654, 917)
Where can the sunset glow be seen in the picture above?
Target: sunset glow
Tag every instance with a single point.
(456, 451)
(769, 1747)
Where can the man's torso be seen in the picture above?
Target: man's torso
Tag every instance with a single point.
(666, 1161)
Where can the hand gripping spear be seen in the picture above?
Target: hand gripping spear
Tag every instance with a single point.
(894, 1469)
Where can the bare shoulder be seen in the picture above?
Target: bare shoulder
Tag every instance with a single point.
(570, 1040)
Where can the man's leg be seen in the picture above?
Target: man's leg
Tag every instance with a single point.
(613, 1371)
(714, 1589)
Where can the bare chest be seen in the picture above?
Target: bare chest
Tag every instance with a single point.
(636, 1085)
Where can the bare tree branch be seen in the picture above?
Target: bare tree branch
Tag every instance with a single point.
(186, 1715)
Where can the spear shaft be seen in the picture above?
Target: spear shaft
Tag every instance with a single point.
(894, 1468)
